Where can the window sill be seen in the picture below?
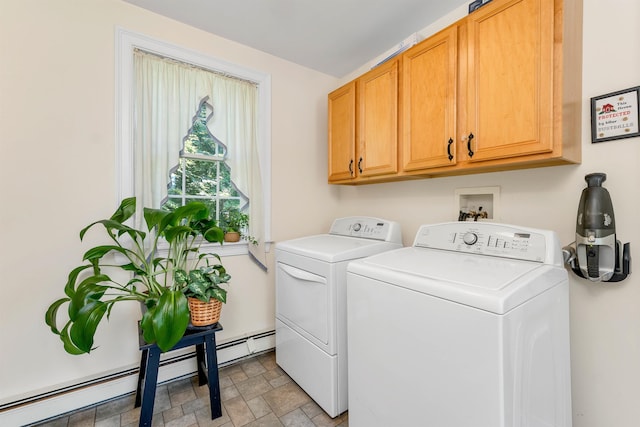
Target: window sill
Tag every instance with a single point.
(226, 249)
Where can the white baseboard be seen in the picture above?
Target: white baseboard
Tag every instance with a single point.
(181, 364)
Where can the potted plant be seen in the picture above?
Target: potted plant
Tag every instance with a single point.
(202, 288)
(94, 287)
(235, 223)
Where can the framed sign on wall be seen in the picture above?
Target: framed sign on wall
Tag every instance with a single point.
(615, 115)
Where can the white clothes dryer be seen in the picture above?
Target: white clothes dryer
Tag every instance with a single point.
(469, 327)
(311, 275)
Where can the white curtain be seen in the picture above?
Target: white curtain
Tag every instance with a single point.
(168, 94)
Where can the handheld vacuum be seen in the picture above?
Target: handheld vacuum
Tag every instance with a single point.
(597, 255)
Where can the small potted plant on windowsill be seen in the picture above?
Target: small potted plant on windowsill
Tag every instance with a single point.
(94, 287)
(235, 223)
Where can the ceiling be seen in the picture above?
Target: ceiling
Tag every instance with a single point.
(334, 37)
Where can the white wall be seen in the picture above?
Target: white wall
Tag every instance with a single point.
(605, 318)
(57, 132)
(57, 138)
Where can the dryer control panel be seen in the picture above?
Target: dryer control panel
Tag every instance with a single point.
(491, 239)
(368, 228)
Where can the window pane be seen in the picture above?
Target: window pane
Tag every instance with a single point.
(227, 189)
(201, 177)
(199, 140)
(207, 180)
(211, 204)
(175, 186)
(228, 204)
(171, 204)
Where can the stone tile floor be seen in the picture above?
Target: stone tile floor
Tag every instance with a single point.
(254, 393)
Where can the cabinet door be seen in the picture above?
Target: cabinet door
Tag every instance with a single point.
(378, 121)
(510, 79)
(429, 102)
(342, 138)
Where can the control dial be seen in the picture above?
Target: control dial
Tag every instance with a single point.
(357, 226)
(470, 238)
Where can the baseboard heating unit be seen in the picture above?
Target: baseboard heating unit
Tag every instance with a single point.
(54, 403)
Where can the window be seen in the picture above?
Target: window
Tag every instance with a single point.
(129, 171)
(202, 173)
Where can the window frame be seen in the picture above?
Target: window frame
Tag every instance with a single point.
(126, 41)
(218, 160)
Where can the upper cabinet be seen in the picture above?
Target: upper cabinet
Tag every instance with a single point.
(363, 127)
(509, 80)
(377, 119)
(498, 90)
(429, 79)
(342, 133)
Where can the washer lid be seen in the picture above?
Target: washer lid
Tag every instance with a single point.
(485, 282)
(334, 248)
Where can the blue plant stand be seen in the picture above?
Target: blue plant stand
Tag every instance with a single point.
(204, 338)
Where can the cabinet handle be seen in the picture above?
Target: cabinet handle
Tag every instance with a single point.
(449, 149)
(469, 139)
(360, 165)
(351, 167)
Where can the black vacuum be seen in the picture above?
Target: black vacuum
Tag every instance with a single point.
(597, 255)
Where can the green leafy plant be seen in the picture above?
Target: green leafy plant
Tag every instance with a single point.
(204, 282)
(236, 221)
(91, 289)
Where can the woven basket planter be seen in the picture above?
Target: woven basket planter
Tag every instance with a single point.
(231, 236)
(204, 313)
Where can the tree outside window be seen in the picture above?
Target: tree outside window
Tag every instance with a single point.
(202, 173)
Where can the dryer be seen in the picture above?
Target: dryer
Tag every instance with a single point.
(468, 327)
(311, 274)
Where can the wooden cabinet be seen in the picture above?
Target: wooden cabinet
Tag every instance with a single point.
(377, 118)
(429, 78)
(509, 83)
(363, 126)
(498, 90)
(342, 133)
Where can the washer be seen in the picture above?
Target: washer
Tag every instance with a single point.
(469, 327)
(311, 274)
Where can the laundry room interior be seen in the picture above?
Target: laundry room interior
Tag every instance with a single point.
(60, 125)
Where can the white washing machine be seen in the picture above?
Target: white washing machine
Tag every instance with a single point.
(469, 327)
(311, 275)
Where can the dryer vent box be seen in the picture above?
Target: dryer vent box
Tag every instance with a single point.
(477, 204)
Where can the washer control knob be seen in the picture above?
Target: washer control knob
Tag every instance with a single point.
(357, 226)
(470, 238)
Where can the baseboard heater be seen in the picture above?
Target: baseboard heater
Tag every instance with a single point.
(55, 403)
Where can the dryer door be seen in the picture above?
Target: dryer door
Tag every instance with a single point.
(302, 302)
